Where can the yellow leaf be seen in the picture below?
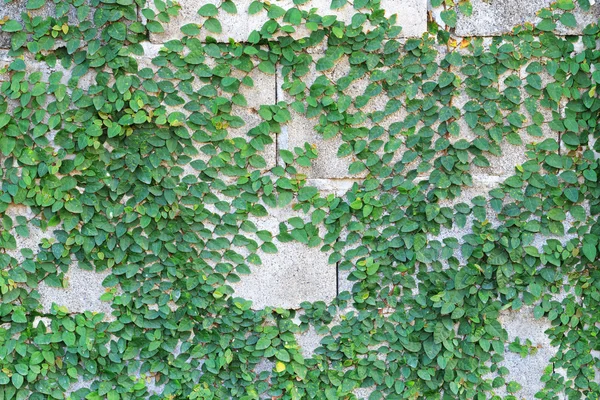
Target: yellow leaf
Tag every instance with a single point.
(65, 28)
(279, 367)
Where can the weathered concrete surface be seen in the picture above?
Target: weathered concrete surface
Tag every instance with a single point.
(82, 294)
(308, 341)
(526, 371)
(296, 273)
(412, 16)
(492, 18)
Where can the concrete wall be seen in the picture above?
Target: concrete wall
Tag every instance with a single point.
(299, 273)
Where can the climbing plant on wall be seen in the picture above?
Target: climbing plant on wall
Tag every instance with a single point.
(138, 173)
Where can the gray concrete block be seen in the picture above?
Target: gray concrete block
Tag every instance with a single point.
(526, 371)
(412, 16)
(296, 273)
(308, 341)
(82, 294)
(493, 18)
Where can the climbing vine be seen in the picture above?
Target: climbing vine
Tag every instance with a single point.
(147, 171)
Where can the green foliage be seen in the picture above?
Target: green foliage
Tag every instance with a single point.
(147, 171)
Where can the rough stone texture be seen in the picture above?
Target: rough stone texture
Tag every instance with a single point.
(82, 294)
(308, 341)
(296, 273)
(526, 371)
(495, 17)
(412, 16)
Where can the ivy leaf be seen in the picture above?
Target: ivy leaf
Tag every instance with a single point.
(117, 30)
(213, 25)
(555, 91)
(208, 10)
(263, 343)
(17, 380)
(190, 29)
(565, 4)
(74, 206)
(35, 4)
(11, 26)
(255, 7)
(18, 316)
(556, 214)
(449, 18)
(229, 7)
(572, 194)
(568, 19)
(325, 63)
(267, 67)
(546, 25)
(335, 4)
(590, 245)
(275, 12)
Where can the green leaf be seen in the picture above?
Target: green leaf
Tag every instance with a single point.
(255, 7)
(267, 67)
(35, 4)
(556, 214)
(325, 63)
(449, 17)
(18, 316)
(17, 380)
(117, 30)
(11, 26)
(229, 7)
(263, 343)
(275, 12)
(213, 25)
(190, 29)
(307, 193)
(572, 194)
(335, 4)
(568, 19)
(546, 25)
(74, 206)
(208, 10)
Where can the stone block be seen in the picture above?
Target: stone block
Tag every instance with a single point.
(296, 273)
(82, 294)
(526, 371)
(308, 341)
(494, 18)
(412, 16)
